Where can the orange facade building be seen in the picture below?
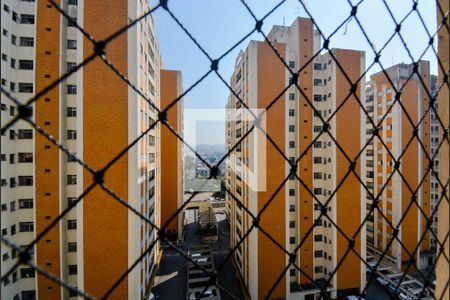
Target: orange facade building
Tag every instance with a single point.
(258, 79)
(95, 115)
(399, 134)
(172, 187)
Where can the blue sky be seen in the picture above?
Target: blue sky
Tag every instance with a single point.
(217, 25)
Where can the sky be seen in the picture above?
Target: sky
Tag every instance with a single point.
(218, 25)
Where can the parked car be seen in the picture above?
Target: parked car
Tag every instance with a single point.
(394, 289)
(353, 297)
(202, 260)
(382, 281)
(207, 294)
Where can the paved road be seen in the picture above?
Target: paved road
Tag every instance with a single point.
(375, 291)
(171, 277)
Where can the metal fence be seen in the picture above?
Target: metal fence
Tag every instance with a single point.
(100, 50)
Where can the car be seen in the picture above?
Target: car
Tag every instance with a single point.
(353, 297)
(394, 289)
(195, 295)
(382, 281)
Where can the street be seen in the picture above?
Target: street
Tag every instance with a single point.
(170, 282)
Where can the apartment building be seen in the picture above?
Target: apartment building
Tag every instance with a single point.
(172, 154)
(398, 141)
(258, 79)
(369, 167)
(95, 115)
(435, 139)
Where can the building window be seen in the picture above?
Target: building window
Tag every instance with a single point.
(25, 134)
(317, 175)
(292, 272)
(318, 238)
(26, 19)
(71, 89)
(72, 247)
(317, 66)
(28, 295)
(25, 157)
(291, 96)
(13, 39)
(317, 98)
(317, 82)
(71, 111)
(317, 144)
(72, 2)
(14, 279)
(291, 64)
(291, 208)
(25, 203)
(72, 269)
(73, 293)
(291, 192)
(13, 229)
(26, 226)
(71, 157)
(291, 224)
(25, 87)
(317, 159)
(71, 44)
(72, 224)
(71, 66)
(25, 180)
(72, 22)
(318, 269)
(71, 134)
(27, 273)
(318, 253)
(291, 112)
(71, 179)
(292, 240)
(318, 191)
(291, 128)
(71, 200)
(291, 144)
(26, 41)
(25, 64)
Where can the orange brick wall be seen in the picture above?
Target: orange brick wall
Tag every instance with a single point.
(348, 199)
(105, 126)
(442, 270)
(47, 65)
(305, 169)
(170, 151)
(271, 259)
